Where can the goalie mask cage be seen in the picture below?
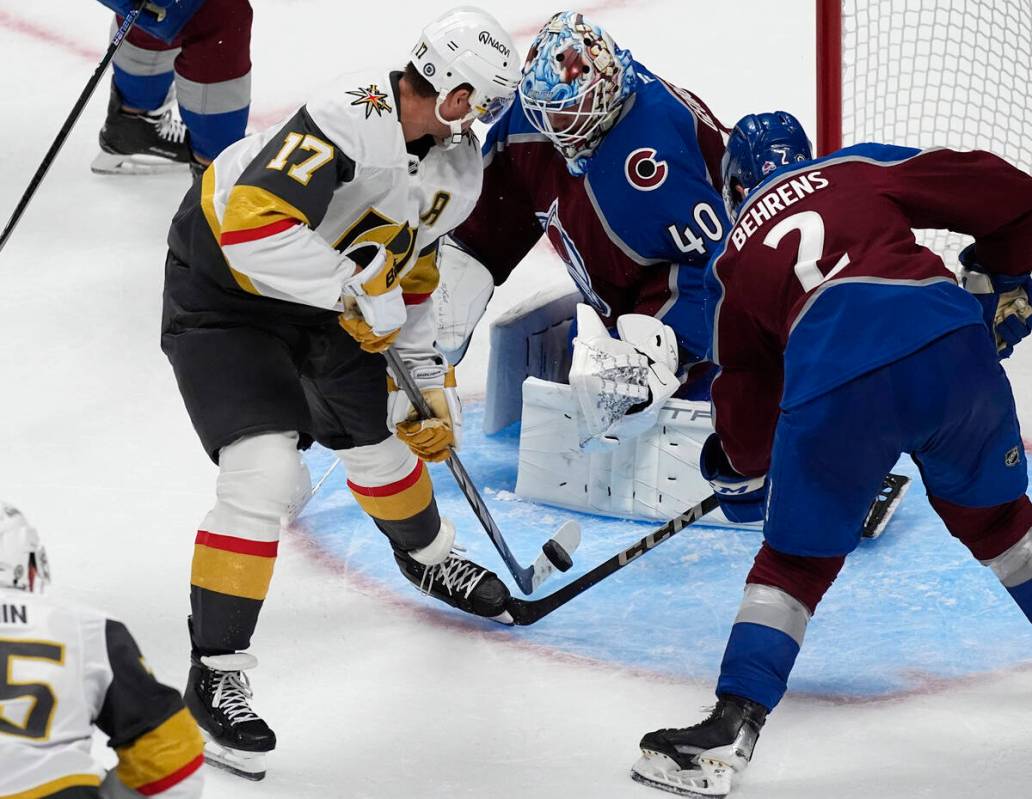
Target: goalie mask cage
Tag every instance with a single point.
(926, 73)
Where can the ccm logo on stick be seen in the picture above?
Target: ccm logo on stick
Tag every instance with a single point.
(643, 171)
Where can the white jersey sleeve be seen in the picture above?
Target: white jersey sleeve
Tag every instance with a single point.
(65, 671)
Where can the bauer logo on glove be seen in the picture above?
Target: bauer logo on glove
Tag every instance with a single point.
(431, 439)
(374, 288)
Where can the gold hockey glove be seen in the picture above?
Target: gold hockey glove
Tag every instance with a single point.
(431, 439)
(358, 328)
(375, 287)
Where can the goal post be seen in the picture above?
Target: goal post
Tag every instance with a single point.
(926, 73)
(829, 76)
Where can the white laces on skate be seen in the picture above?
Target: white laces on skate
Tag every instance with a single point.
(171, 128)
(232, 695)
(457, 574)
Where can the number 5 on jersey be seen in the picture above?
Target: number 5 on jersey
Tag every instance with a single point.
(34, 702)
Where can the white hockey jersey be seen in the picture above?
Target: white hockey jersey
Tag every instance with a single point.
(65, 671)
(284, 204)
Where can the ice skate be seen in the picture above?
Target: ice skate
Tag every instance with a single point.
(700, 761)
(460, 583)
(218, 695)
(885, 505)
(141, 143)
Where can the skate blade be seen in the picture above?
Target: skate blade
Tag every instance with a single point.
(885, 507)
(118, 164)
(249, 765)
(659, 771)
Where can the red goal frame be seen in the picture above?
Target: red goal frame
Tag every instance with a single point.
(829, 76)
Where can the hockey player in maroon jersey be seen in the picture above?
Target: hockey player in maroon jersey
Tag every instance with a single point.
(203, 47)
(620, 170)
(842, 344)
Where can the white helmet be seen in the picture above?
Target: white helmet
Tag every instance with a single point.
(468, 45)
(23, 561)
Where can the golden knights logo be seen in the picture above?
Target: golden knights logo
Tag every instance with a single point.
(373, 100)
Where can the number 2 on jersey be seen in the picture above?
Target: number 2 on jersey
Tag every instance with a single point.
(302, 172)
(38, 696)
(811, 247)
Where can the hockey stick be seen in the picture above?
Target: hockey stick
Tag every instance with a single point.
(127, 23)
(526, 612)
(294, 510)
(555, 552)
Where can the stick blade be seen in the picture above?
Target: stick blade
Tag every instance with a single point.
(556, 553)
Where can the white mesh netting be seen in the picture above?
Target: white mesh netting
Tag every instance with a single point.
(947, 73)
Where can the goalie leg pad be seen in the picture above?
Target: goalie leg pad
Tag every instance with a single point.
(530, 340)
(652, 477)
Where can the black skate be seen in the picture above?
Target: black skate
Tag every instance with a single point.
(218, 695)
(884, 505)
(460, 583)
(700, 761)
(141, 143)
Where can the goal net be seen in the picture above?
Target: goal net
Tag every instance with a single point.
(924, 73)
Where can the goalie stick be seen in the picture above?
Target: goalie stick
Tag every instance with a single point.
(555, 552)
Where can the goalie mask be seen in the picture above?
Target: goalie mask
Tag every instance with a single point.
(23, 561)
(574, 85)
(469, 46)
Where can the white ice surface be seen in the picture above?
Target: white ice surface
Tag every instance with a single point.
(371, 695)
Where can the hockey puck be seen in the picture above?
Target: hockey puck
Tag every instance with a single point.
(556, 555)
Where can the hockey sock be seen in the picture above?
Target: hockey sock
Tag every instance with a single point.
(763, 645)
(1001, 538)
(142, 92)
(393, 487)
(781, 594)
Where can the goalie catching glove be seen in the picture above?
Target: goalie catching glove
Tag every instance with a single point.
(374, 308)
(621, 383)
(1004, 298)
(431, 439)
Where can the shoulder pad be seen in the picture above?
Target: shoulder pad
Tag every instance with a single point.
(649, 173)
(512, 127)
(358, 111)
(872, 151)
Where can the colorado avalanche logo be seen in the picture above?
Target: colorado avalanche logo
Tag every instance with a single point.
(567, 249)
(643, 171)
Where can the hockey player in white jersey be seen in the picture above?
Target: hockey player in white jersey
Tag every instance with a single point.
(299, 257)
(64, 671)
